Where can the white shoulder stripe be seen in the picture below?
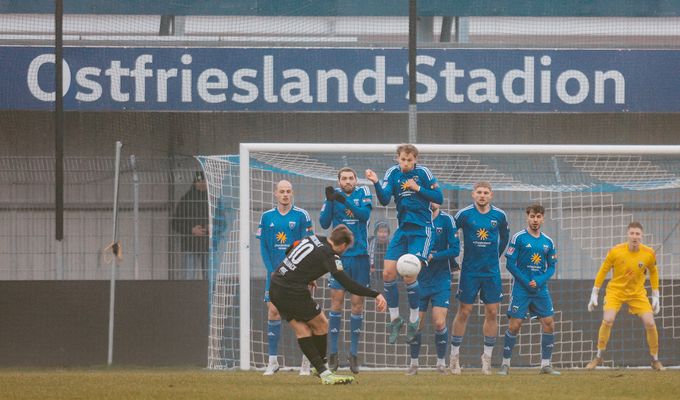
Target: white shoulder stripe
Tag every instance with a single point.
(514, 237)
(453, 221)
(549, 238)
(463, 209)
(427, 171)
(498, 209)
(302, 210)
(390, 171)
(367, 191)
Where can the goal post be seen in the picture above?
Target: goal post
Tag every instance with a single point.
(589, 191)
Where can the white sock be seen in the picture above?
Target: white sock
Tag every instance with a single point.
(414, 362)
(273, 360)
(455, 350)
(394, 313)
(506, 361)
(441, 361)
(413, 315)
(488, 350)
(655, 357)
(599, 353)
(545, 363)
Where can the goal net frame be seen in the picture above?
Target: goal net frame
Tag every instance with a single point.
(246, 149)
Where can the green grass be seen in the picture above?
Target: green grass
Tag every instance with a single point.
(167, 383)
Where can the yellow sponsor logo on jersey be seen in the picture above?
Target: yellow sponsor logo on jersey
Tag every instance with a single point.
(349, 213)
(536, 258)
(281, 237)
(404, 186)
(482, 234)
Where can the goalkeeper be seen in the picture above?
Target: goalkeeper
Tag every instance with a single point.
(630, 262)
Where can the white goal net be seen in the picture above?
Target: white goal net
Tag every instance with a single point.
(590, 193)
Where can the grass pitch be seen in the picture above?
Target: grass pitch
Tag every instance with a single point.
(162, 383)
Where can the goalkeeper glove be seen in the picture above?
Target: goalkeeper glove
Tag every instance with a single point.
(330, 193)
(593, 299)
(656, 304)
(339, 197)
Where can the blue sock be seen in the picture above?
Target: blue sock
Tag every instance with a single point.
(415, 345)
(489, 341)
(509, 344)
(413, 291)
(355, 323)
(334, 321)
(441, 339)
(273, 335)
(547, 343)
(391, 293)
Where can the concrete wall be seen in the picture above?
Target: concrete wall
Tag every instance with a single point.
(65, 323)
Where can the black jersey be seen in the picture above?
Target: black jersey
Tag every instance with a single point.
(310, 259)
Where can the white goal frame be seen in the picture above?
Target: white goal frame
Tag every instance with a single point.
(244, 201)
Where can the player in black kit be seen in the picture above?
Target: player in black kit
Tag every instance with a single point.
(307, 260)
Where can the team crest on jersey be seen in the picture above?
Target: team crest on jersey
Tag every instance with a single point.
(338, 265)
(291, 224)
(439, 230)
(494, 223)
(356, 202)
(641, 265)
(546, 248)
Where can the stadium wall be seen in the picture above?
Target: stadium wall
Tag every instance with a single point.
(65, 323)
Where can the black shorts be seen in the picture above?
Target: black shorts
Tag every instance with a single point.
(296, 304)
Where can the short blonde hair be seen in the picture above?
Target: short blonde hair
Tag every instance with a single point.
(484, 184)
(408, 149)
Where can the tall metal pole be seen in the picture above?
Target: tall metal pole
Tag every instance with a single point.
(135, 212)
(59, 136)
(114, 248)
(412, 96)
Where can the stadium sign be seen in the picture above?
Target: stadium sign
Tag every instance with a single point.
(349, 79)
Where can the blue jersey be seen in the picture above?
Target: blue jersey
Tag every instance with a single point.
(484, 239)
(276, 232)
(355, 214)
(531, 258)
(445, 247)
(412, 207)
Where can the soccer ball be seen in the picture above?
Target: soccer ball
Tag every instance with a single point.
(408, 265)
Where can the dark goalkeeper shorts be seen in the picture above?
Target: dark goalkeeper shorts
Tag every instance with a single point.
(296, 304)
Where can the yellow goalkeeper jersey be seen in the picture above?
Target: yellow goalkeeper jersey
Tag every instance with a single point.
(629, 269)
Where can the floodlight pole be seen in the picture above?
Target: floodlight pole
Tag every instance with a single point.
(412, 86)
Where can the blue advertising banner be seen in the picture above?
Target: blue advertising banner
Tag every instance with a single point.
(342, 80)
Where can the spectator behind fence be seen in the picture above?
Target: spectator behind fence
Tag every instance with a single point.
(377, 247)
(190, 221)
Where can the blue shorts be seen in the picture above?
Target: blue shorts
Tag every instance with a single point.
(356, 267)
(536, 305)
(489, 288)
(412, 239)
(439, 296)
